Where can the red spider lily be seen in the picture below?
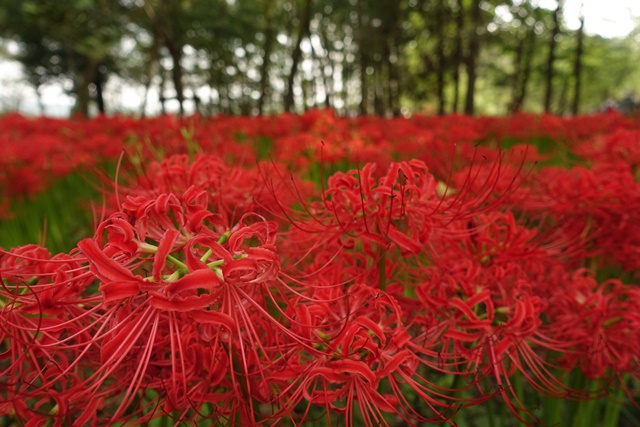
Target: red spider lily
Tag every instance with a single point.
(46, 316)
(361, 367)
(599, 320)
(218, 303)
(224, 303)
(228, 190)
(619, 146)
(491, 309)
(404, 292)
(486, 340)
(393, 216)
(594, 208)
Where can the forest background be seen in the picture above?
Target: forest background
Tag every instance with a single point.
(383, 57)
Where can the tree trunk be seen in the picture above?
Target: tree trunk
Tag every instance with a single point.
(162, 21)
(523, 82)
(548, 95)
(457, 55)
(384, 84)
(577, 69)
(150, 71)
(363, 60)
(296, 56)
(564, 96)
(268, 47)
(39, 98)
(176, 72)
(327, 71)
(474, 50)
(346, 74)
(390, 50)
(225, 100)
(378, 94)
(98, 81)
(516, 78)
(323, 64)
(394, 84)
(440, 53)
(163, 79)
(213, 106)
(86, 77)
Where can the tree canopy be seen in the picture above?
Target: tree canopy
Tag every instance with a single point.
(382, 57)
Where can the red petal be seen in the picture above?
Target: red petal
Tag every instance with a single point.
(103, 267)
(393, 364)
(162, 302)
(205, 279)
(215, 317)
(119, 290)
(353, 367)
(160, 258)
(404, 241)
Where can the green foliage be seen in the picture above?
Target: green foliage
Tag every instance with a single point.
(363, 56)
(57, 218)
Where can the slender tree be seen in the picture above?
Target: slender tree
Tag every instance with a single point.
(553, 42)
(472, 56)
(269, 39)
(366, 55)
(98, 82)
(296, 56)
(65, 40)
(150, 71)
(440, 23)
(577, 68)
(363, 57)
(457, 54)
(391, 44)
(327, 67)
(523, 62)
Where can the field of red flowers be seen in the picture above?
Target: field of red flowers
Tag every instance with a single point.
(317, 270)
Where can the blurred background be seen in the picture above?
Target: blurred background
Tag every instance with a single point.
(383, 57)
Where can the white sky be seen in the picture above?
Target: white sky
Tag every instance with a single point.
(608, 18)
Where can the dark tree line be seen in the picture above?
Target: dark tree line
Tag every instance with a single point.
(356, 56)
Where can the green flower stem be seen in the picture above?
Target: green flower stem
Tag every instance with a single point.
(223, 239)
(490, 417)
(181, 265)
(206, 255)
(551, 411)
(213, 264)
(455, 383)
(147, 248)
(586, 411)
(614, 405)
(519, 390)
(577, 381)
(382, 271)
(174, 276)
(218, 272)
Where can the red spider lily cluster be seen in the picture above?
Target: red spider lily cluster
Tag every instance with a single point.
(421, 281)
(35, 152)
